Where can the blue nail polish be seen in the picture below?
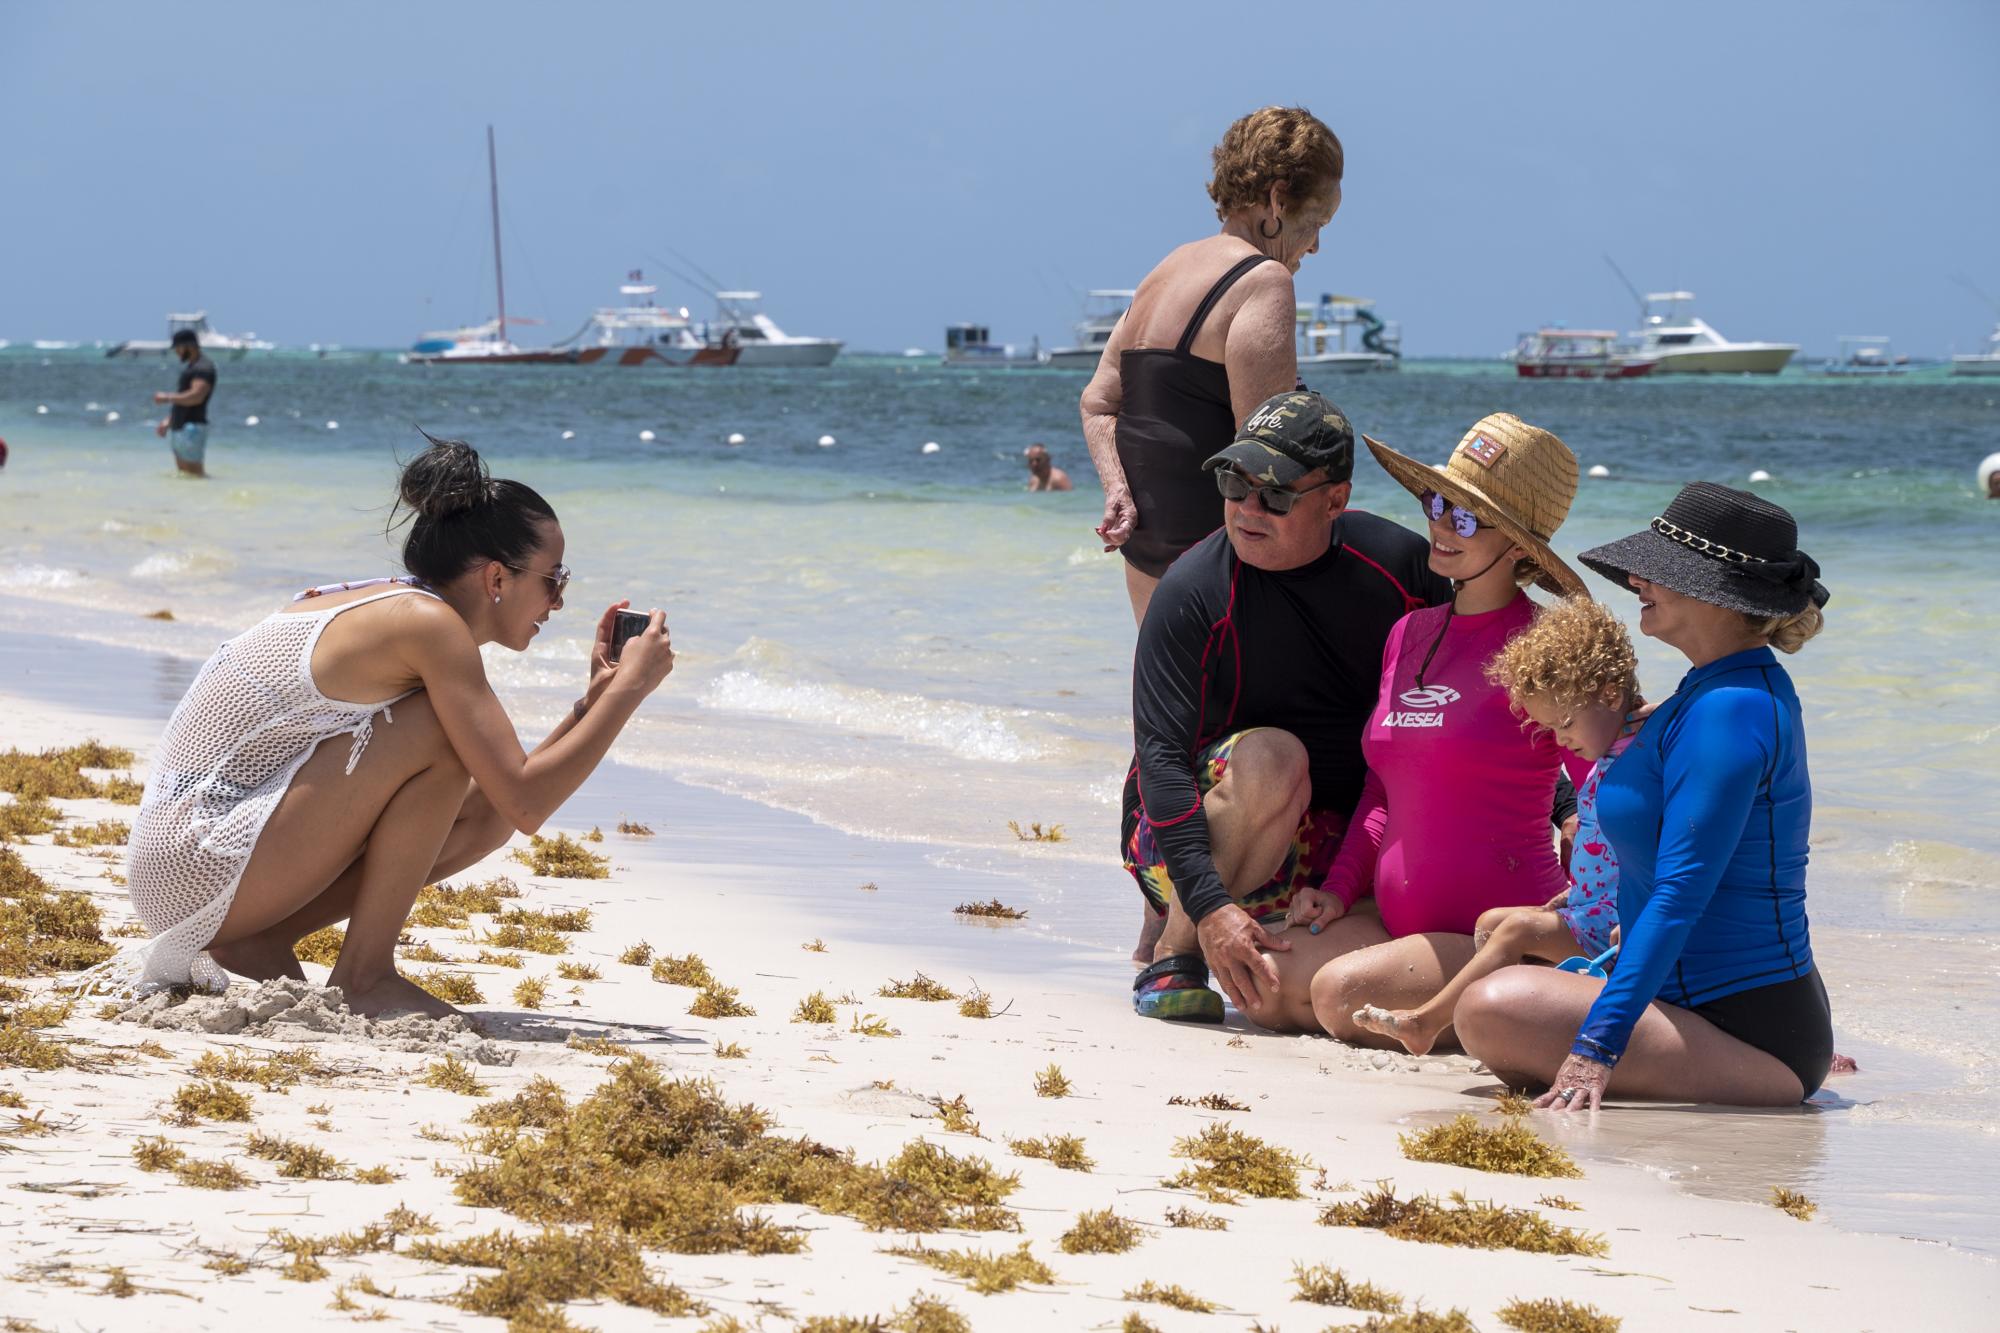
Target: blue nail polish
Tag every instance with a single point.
(1315, 927)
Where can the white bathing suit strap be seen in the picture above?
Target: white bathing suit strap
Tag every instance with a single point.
(326, 589)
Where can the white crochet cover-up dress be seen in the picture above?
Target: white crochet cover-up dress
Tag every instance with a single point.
(246, 726)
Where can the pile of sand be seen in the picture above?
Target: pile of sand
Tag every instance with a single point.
(289, 1010)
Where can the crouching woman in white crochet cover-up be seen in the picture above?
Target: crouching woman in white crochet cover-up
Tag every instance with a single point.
(346, 750)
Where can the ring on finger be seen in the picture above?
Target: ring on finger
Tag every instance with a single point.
(1567, 1093)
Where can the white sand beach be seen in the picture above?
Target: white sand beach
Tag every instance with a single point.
(88, 1239)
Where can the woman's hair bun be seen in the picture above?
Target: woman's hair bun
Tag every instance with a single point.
(445, 479)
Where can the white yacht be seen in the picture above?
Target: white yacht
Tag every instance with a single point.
(1323, 333)
(216, 346)
(1980, 363)
(1685, 344)
(971, 347)
(642, 332)
(1102, 309)
(1866, 354)
(740, 322)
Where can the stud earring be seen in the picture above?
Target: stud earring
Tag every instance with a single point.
(496, 601)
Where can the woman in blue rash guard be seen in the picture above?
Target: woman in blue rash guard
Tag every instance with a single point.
(1714, 996)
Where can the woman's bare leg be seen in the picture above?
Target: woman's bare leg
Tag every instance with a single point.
(478, 832)
(1521, 1021)
(1522, 932)
(390, 817)
(1400, 974)
(1139, 587)
(1291, 1009)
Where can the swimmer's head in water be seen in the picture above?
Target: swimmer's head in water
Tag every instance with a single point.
(1038, 458)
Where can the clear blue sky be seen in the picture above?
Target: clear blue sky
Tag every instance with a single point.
(318, 172)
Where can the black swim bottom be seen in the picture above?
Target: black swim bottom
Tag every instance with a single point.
(1790, 1020)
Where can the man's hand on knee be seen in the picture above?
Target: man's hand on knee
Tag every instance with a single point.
(1235, 947)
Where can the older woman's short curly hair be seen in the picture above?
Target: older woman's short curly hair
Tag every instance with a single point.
(1576, 653)
(1279, 145)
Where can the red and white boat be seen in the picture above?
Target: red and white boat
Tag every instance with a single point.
(1577, 354)
(641, 332)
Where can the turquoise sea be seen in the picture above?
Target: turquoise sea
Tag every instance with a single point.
(907, 646)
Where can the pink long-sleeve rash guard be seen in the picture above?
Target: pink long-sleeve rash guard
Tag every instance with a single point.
(1454, 815)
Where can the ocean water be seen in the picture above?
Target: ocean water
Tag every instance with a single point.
(907, 646)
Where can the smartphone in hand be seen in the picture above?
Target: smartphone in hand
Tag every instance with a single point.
(625, 626)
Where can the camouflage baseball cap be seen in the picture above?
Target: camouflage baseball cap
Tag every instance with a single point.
(1290, 435)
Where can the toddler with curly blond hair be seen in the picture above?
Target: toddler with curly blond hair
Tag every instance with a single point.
(1574, 673)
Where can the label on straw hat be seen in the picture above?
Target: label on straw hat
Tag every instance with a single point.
(1483, 451)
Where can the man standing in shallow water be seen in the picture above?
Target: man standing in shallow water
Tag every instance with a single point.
(1257, 668)
(1043, 474)
(186, 424)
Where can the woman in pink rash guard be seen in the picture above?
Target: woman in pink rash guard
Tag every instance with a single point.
(1454, 817)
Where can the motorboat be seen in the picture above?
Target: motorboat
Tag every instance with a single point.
(1864, 354)
(642, 332)
(741, 324)
(971, 347)
(216, 346)
(1980, 363)
(1103, 307)
(1557, 353)
(1324, 330)
(1685, 344)
(487, 344)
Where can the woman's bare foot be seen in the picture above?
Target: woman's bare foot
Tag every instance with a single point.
(1408, 1026)
(393, 994)
(1150, 929)
(260, 958)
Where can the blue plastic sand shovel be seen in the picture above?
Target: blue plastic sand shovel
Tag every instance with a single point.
(1589, 967)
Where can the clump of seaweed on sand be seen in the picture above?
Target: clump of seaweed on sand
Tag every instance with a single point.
(814, 946)
(632, 828)
(209, 1100)
(578, 972)
(814, 1008)
(1195, 1220)
(1052, 1082)
(1550, 1315)
(451, 987)
(539, 1105)
(321, 947)
(1323, 1285)
(1208, 1101)
(919, 987)
(1176, 1297)
(1480, 1226)
(984, 1273)
(684, 971)
(1137, 1323)
(720, 1001)
(537, 1275)
(488, 958)
(977, 1005)
(637, 955)
(1558, 1201)
(924, 1314)
(596, 1045)
(273, 1071)
(872, 1025)
(956, 1115)
(1416, 1321)
(27, 817)
(157, 1154)
(1791, 1201)
(1510, 1102)
(450, 907)
(562, 857)
(44, 930)
(1512, 1148)
(104, 833)
(58, 774)
(1229, 1164)
(423, 951)
(297, 1161)
(531, 993)
(1036, 833)
(1063, 1150)
(994, 909)
(453, 1075)
(730, 1051)
(674, 1165)
(1100, 1232)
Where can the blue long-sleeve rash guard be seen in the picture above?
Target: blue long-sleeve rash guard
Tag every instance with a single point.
(1709, 811)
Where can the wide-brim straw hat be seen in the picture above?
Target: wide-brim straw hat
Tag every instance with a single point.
(1517, 477)
(1722, 546)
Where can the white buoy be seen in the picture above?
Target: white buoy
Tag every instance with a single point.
(826, 441)
(932, 446)
(1599, 470)
(250, 421)
(1760, 475)
(93, 406)
(333, 425)
(41, 409)
(569, 435)
(735, 437)
(1987, 467)
(110, 417)
(645, 437)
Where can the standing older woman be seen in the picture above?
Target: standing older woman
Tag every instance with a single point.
(1715, 997)
(1211, 334)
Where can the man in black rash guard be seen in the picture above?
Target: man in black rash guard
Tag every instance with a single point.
(1257, 668)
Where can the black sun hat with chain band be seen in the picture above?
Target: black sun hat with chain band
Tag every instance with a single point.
(1726, 547)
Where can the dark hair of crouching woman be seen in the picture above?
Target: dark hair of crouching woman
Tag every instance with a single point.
(1714, 996)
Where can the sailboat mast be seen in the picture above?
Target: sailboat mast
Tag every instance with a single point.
(493, 180)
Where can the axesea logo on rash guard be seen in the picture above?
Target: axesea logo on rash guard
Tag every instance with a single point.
(1423, 707)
